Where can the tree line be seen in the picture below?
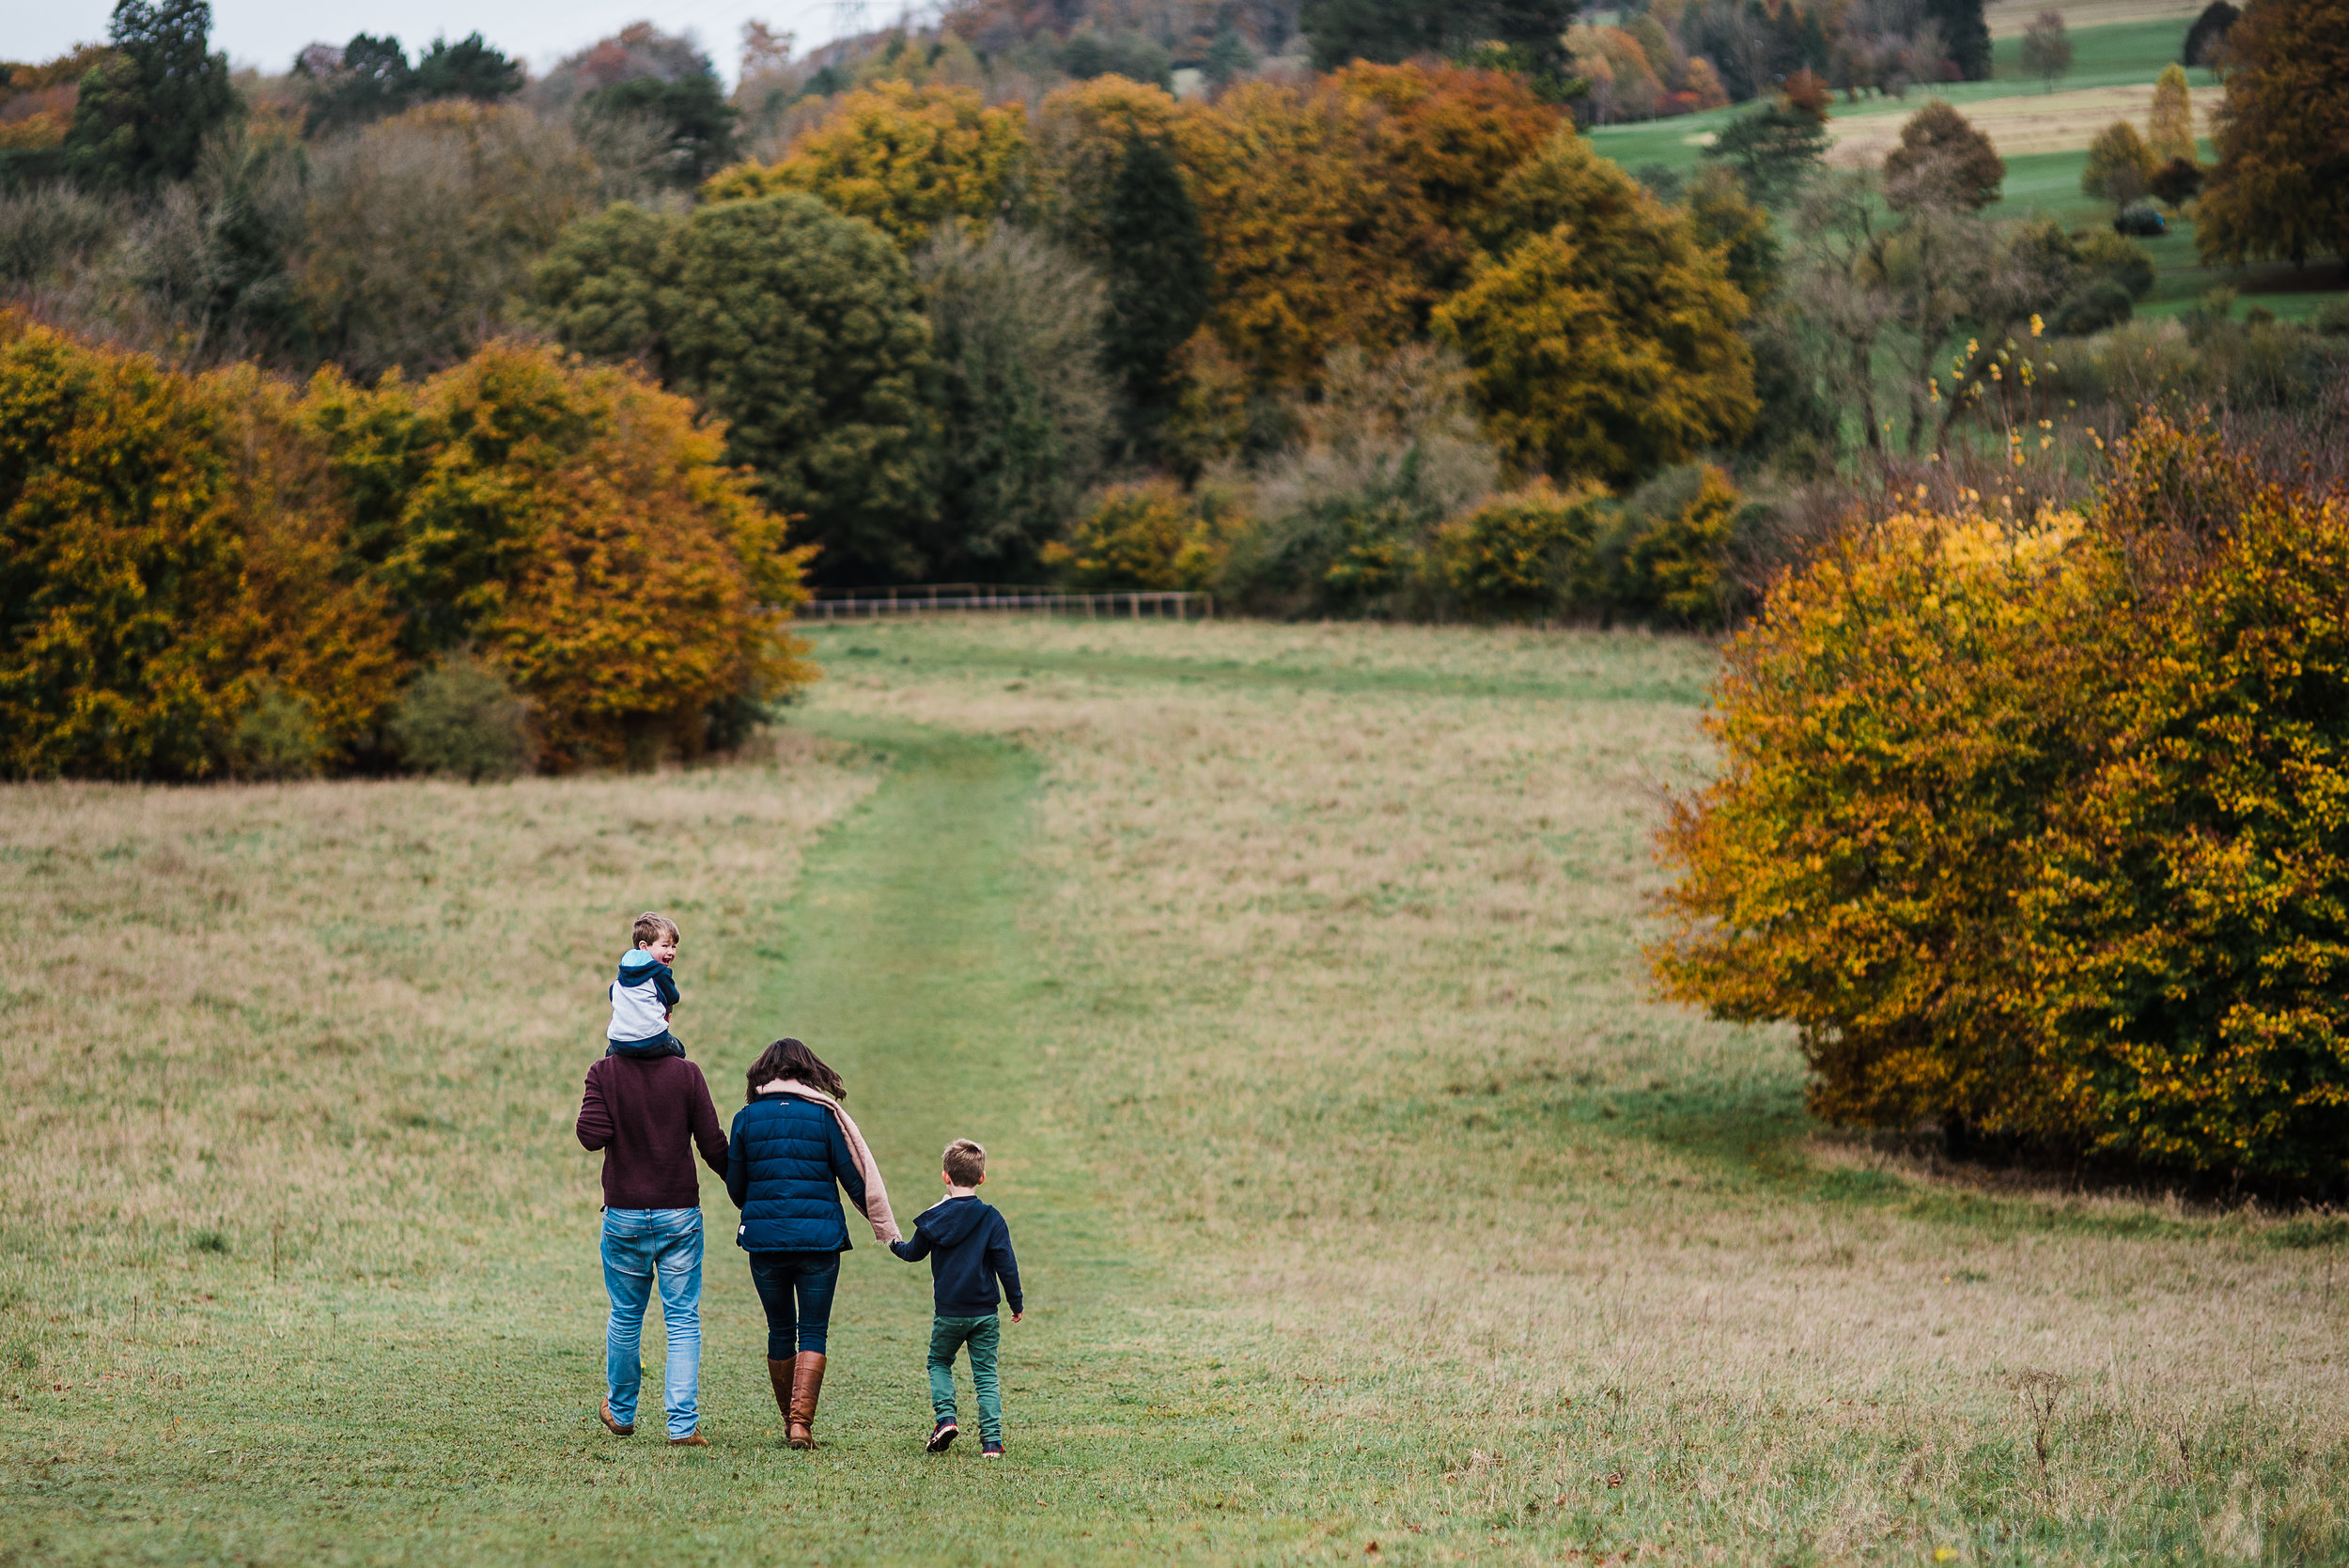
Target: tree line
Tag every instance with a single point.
(1387, 340)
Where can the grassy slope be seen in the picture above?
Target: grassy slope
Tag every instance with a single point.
(1290, 975)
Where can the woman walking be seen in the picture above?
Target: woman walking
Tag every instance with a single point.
(791, 1144)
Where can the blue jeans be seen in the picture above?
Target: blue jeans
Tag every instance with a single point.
(641, 1246)
(813, 1276)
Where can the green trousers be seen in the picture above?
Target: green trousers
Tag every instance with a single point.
(983, 1334)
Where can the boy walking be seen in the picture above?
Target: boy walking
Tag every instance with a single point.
(969, 1246)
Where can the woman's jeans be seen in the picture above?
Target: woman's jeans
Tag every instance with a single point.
(640, 1246)
(812, 1277)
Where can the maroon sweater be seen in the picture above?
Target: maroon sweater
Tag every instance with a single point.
(647, 1114)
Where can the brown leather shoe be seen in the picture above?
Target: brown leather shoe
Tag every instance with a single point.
(779, 1374)
(691, 1440)
(603, 1413)
(807, 1387)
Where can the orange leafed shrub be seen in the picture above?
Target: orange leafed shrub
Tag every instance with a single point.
(2045, 830)
(170, 555)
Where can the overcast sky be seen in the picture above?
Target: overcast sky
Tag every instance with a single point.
(268, 33)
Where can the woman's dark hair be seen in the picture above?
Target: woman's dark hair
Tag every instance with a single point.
(791, 1059)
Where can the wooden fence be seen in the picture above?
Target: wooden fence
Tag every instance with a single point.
(964, 599)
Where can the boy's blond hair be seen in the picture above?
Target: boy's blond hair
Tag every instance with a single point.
(965, 1163)
(651, 927)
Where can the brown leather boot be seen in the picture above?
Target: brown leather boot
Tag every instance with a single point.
(779, 1374)
(808, 1385)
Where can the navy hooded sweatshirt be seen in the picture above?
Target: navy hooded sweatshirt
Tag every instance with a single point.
(969, 1246)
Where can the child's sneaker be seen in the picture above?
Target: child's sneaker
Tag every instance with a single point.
(942, 1434)
(990, 1450)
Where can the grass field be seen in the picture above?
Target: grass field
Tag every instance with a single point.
(1290, 975)
(2113, 76)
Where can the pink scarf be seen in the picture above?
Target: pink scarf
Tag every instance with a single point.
(876, 1194)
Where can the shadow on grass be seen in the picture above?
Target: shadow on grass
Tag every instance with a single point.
(1765, 1141)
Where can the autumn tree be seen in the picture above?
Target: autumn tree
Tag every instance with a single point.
(582, 534)
(1602, 336)
(170, 560)
(2281, 184)
(904, 157)
(2047, 47)
(2170, 130)
(2120, 166)
(1343, 210)
(1315, 233)
(1458, 135)
(1942, 161)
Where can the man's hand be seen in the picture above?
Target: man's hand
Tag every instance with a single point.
(1017, 1316)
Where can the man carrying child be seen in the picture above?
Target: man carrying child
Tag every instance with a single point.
(649, 1109)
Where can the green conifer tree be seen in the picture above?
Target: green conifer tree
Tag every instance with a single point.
(142, 117)
(1158, 279)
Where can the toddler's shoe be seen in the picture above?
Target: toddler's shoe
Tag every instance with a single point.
(990, 1450)
(942, 1434)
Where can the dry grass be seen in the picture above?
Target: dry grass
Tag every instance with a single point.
(1367, 978)
(257, 1010)
(1364, 1195)
(2012, 17)
(2029, 122)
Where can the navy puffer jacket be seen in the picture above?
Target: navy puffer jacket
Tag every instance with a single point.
(781, 1159)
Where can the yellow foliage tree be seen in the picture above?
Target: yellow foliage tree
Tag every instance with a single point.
(2120, 166)
(2041, 830)
(169, 557)
(1342, 211)
(2169, 133)
(1705, 83)
(1602, 336)
(1523, 554)
(1143, 536)
(905, 158)
(1311, 231)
